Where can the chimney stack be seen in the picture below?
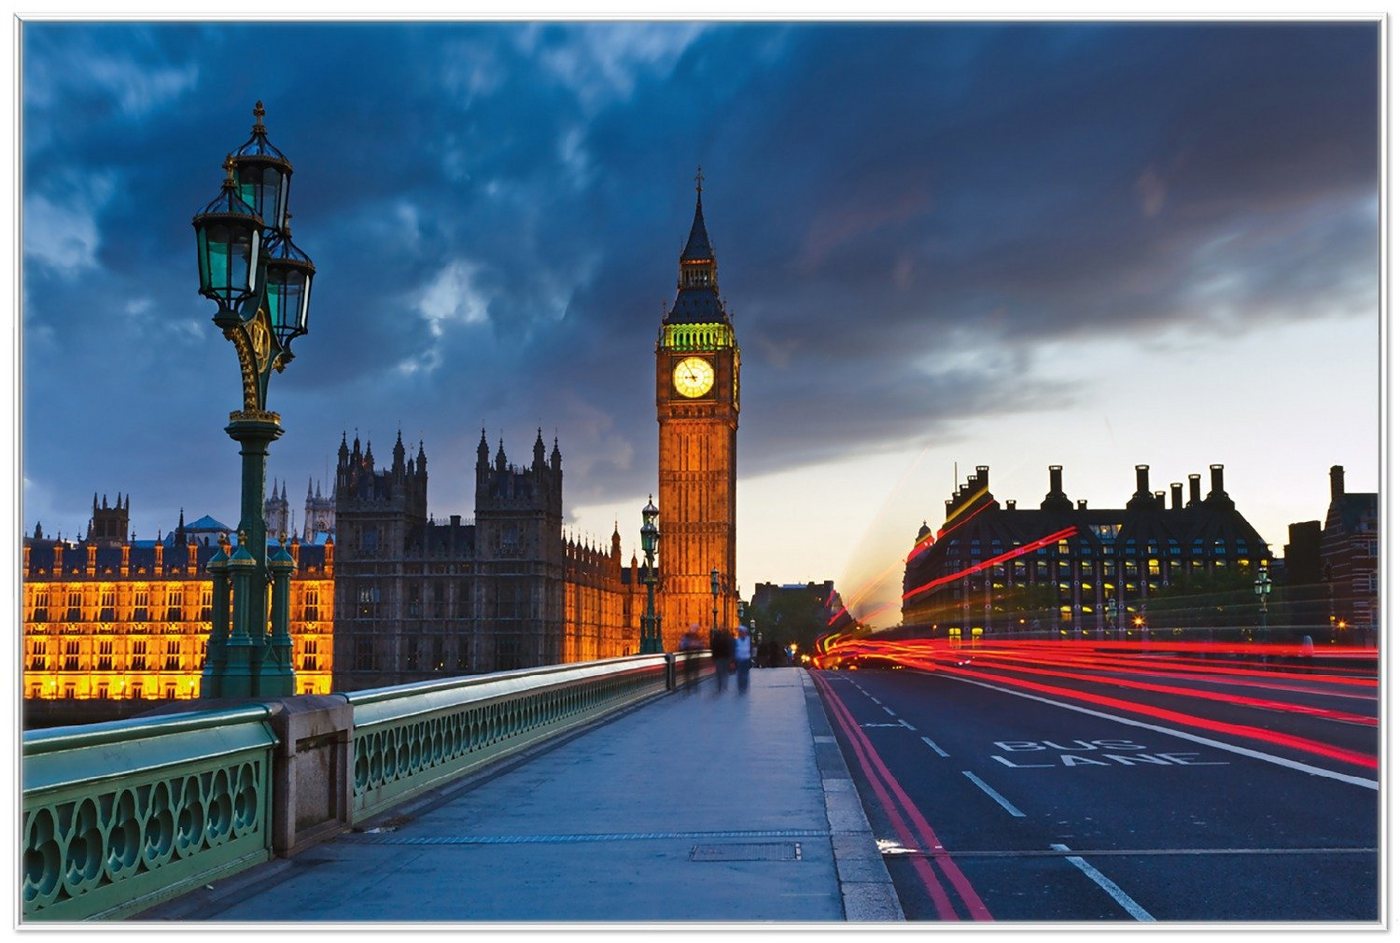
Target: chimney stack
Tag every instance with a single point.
(1195, 481)
(1083, 504)
(1176, 496)
(1055, 487)
(1339, 487)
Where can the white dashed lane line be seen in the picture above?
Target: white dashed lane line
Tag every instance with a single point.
(935, 747)
(996, 796)
(1113, 890)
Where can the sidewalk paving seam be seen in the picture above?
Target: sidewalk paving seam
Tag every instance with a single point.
(867, 891)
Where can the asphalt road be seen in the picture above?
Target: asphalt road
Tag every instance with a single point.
(1001, 802)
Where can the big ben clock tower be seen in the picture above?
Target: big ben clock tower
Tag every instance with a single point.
(697, 407)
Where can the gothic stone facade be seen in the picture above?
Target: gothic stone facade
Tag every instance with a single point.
(419, 599)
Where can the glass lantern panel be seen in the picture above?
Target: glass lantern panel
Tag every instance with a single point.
(288, 297)
(263, 187)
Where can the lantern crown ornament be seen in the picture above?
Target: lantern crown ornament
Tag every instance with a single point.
(263, 174)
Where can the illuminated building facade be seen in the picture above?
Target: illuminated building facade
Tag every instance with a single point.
(1065, 569)
(697, 409)
(418, 599)
(112, 617)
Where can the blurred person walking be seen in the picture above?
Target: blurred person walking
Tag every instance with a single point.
(691, 647)
(743, 657)
(721, 652)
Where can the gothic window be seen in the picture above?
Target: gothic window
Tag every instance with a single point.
(107, 604)
(364, 654)
(70, 655)
(308, 655)
(38, 654)
(141, 605)
(206, 604)
(104, 655)
(410, 656)
(463, 659)
(368, 600)
(414, 609)
(172, 655)
(75, 605)
(41, 605)
(138, 655)
(175, 604)
(311, 604)
(439, 653)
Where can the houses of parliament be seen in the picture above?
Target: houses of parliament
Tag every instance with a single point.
(383, 593)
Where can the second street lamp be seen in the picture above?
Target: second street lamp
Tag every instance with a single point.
(714, 601)
(261, 282)
(651, 623)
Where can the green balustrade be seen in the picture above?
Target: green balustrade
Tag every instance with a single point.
(119, 816)
(413, 737)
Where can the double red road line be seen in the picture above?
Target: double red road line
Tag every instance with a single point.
(909, 823)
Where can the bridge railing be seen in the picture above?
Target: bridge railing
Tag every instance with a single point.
(411, 738)
(120, 816)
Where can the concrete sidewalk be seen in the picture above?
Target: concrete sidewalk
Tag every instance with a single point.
(697, 806)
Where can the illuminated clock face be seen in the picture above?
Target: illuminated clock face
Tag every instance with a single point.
(693, 377)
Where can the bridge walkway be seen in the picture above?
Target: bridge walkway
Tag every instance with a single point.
(695, 807)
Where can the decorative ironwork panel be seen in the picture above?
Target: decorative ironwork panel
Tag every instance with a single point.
(123, 816)
(412, 743)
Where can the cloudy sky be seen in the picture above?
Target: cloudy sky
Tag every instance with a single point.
(943, 245)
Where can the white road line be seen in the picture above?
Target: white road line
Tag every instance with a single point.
(906, 723)
(1114, 891)
(871, 696)
(887, 711)
(936, 748)
(1218, 744)
(997, 797)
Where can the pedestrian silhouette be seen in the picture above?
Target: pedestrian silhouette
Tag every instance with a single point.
(721, 653)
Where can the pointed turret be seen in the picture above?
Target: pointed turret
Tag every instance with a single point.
(697, 295)
(344, 453)
(555, 459)
(399, 454)
(539, 450)
(501, 456)
(422, 462)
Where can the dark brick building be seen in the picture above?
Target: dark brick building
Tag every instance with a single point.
(1066, 569)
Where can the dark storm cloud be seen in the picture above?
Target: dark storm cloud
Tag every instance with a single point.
(902, 214)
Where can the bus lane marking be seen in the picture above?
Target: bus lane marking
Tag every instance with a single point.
(1308, 768)
(1072, 753)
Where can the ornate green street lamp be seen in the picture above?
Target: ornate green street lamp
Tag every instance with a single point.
(651, 622)
(261, 282)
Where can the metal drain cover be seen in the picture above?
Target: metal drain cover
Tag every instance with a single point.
(770, 851)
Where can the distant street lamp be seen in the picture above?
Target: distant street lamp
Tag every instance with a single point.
(651, 623)
(261, 283)
(1262, 588)
(714, 597)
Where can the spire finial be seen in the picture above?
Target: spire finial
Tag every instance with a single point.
(258, 113)
(699, 180)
